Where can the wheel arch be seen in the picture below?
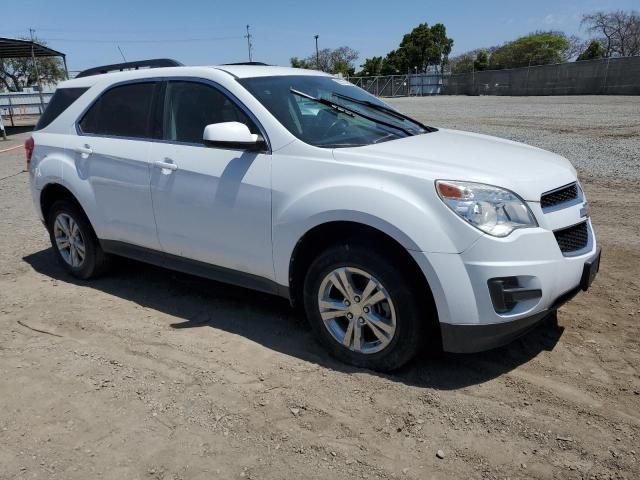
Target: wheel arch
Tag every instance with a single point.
(53, 192)
(322, 236)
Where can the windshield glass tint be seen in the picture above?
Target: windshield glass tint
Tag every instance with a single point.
(322, 125)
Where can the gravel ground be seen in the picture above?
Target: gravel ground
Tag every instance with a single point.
(599, 134)
(150, 374)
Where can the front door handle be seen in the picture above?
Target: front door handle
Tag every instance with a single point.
(167, 165)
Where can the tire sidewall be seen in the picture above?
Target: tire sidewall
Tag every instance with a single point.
(408, 332)
(87, 268)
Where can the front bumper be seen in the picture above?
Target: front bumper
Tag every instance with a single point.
(468, 318)
(478, 338)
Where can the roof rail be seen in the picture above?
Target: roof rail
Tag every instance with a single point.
(154, 63)
(255, 64)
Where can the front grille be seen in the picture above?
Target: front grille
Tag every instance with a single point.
(559, 196)
(573, 238)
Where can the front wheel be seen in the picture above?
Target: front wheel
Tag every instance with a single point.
(364, 309)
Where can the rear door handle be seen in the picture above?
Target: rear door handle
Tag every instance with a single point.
(167, 165)
(86, 150)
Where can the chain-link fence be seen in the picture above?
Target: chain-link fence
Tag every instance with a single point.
(400, 85)
(608, 76)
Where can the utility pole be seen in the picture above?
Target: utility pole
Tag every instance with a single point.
(35, 66)
(249, 44)
(317, 54)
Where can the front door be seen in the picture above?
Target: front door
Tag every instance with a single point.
(211, 204)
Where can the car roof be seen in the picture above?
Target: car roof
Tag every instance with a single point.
(237, 71)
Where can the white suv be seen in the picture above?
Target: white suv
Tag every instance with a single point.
(389, 233)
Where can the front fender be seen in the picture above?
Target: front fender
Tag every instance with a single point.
(395, 210)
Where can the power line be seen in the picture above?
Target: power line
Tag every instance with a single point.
(165, 40)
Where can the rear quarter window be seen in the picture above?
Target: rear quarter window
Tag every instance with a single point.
(61, 100)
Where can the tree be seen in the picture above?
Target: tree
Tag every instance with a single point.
(482, 61)
(300, 63)
(424, 47)
(18, 73)
(466, 62)
(462, 63)
(394, 63)
(618, 32)
(338, 60)
(539, 48)
(441, 46)
(371, 67)
(593, 51)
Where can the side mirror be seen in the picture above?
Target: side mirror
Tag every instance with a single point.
(232, 135)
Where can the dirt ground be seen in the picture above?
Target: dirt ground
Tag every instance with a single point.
(150, 374)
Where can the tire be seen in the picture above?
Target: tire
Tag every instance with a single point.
(63, 216)
(401, 306)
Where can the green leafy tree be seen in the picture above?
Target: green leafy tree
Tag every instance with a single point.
(300, 63)
(425, 46)
(18, 73)
(593, 51)
(371, 67)
(337, 60)
(482, 61)
(394, 63)
(440, 47)
(539, 48)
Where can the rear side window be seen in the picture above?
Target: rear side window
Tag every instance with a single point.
(61, 100)
(123, 111)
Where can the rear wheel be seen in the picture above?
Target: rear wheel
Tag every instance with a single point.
(74, 241)
(363, 308)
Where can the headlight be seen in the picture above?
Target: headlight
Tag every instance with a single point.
(493, 210)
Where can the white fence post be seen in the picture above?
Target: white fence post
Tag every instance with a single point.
(3, 131)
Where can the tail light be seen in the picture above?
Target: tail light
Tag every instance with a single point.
(29, 145)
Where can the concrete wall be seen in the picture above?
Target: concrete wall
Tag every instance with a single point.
(614, 76)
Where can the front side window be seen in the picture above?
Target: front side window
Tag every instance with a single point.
(190, 106)
(330, 112)
(123, 111)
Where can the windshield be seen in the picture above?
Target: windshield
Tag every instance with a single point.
(330, 112)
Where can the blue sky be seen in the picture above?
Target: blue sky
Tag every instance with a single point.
(210, 32)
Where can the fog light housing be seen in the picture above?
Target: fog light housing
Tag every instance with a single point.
(506, 292)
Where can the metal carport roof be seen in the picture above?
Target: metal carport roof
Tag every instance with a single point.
(13, 48)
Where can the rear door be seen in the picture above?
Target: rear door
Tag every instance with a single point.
(112, 153)
(211, 204)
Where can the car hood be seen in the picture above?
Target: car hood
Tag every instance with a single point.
(456, 155)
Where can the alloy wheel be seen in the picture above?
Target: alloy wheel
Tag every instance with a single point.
(357, 310)
(69, 240)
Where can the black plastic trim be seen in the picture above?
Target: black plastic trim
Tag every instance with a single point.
(478, 338)
(259, 146)
(115, 67)
(506, 293)
(194, 267)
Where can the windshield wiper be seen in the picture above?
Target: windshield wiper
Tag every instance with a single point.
(387, 110)
(349, 111)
